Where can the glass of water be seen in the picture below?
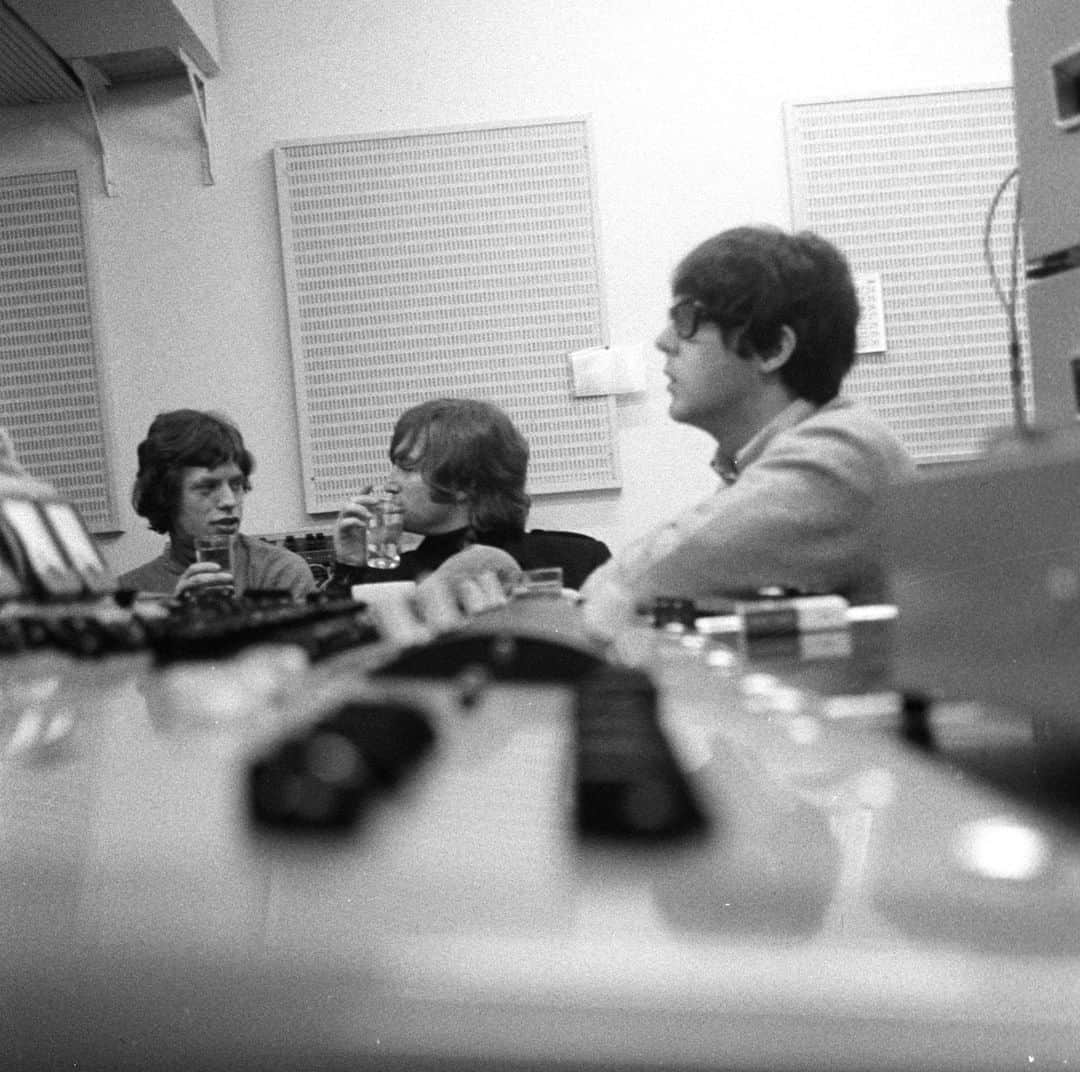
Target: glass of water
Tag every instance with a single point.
(216, 548)
(384, 533)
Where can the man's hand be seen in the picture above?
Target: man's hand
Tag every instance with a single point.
(202, 577)
(477, 567)
(470, 582)
(355, 516)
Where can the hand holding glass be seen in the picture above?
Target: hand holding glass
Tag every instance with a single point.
(350, 541)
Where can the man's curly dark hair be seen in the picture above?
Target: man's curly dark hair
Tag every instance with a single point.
(180, 439)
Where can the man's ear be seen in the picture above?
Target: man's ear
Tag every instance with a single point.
(784, 349)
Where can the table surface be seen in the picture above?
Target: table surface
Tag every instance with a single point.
(856, 904)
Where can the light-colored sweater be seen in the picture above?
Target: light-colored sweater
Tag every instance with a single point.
(796, 508)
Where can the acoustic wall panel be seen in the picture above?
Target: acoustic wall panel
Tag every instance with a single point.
(455, 262)
(903, 185)
(50, 398)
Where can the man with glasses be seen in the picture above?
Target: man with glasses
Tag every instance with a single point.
(194, 472)
(759, 339)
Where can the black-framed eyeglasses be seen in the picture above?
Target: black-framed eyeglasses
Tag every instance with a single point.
(686, 317)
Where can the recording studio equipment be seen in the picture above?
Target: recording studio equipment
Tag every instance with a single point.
(314, 546)
(56, 590)
(46, 552)
(628, 782)
(527, 640)
(215, 628)
(1045, 38)
(324, 775)
(985, 564)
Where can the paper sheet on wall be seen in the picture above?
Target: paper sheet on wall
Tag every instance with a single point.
(870, 335)
(608, 370)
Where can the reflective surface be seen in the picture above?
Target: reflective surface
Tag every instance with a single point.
(857, 904)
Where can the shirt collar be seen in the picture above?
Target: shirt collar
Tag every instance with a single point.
(729, 468)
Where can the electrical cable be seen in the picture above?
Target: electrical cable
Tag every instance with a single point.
(1008, 300)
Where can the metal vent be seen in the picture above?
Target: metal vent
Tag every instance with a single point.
(50, 48)
(49, 393)
(456, 262)
(30, 72)
(903, 185)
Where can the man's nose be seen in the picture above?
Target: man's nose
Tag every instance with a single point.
(667, 341)
(227, 496)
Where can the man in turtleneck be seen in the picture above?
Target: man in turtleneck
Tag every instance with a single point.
(459, 469)
(193, 474)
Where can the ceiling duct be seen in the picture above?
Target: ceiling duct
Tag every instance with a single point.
(45, 43)
(30, 72)
(58, 50)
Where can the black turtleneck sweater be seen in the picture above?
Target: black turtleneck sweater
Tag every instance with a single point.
(578, 555)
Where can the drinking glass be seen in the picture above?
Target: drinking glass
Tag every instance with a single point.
(216, 548)
(384, 533)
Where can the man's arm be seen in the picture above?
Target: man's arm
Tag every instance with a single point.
(802, 516)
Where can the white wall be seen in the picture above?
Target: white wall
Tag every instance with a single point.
(686, 99)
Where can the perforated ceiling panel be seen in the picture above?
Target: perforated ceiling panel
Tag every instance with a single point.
(50, 399)
(456, 262)
(903, 186)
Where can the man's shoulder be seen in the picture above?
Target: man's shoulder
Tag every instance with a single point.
(160, 574)
(855, 421)
(572, 542)
(259, 548)
(262, 553)
(843, 436)
(273, 566)
(846, 410)
(577, 553)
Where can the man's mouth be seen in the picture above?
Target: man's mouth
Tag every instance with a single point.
(227, 524)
